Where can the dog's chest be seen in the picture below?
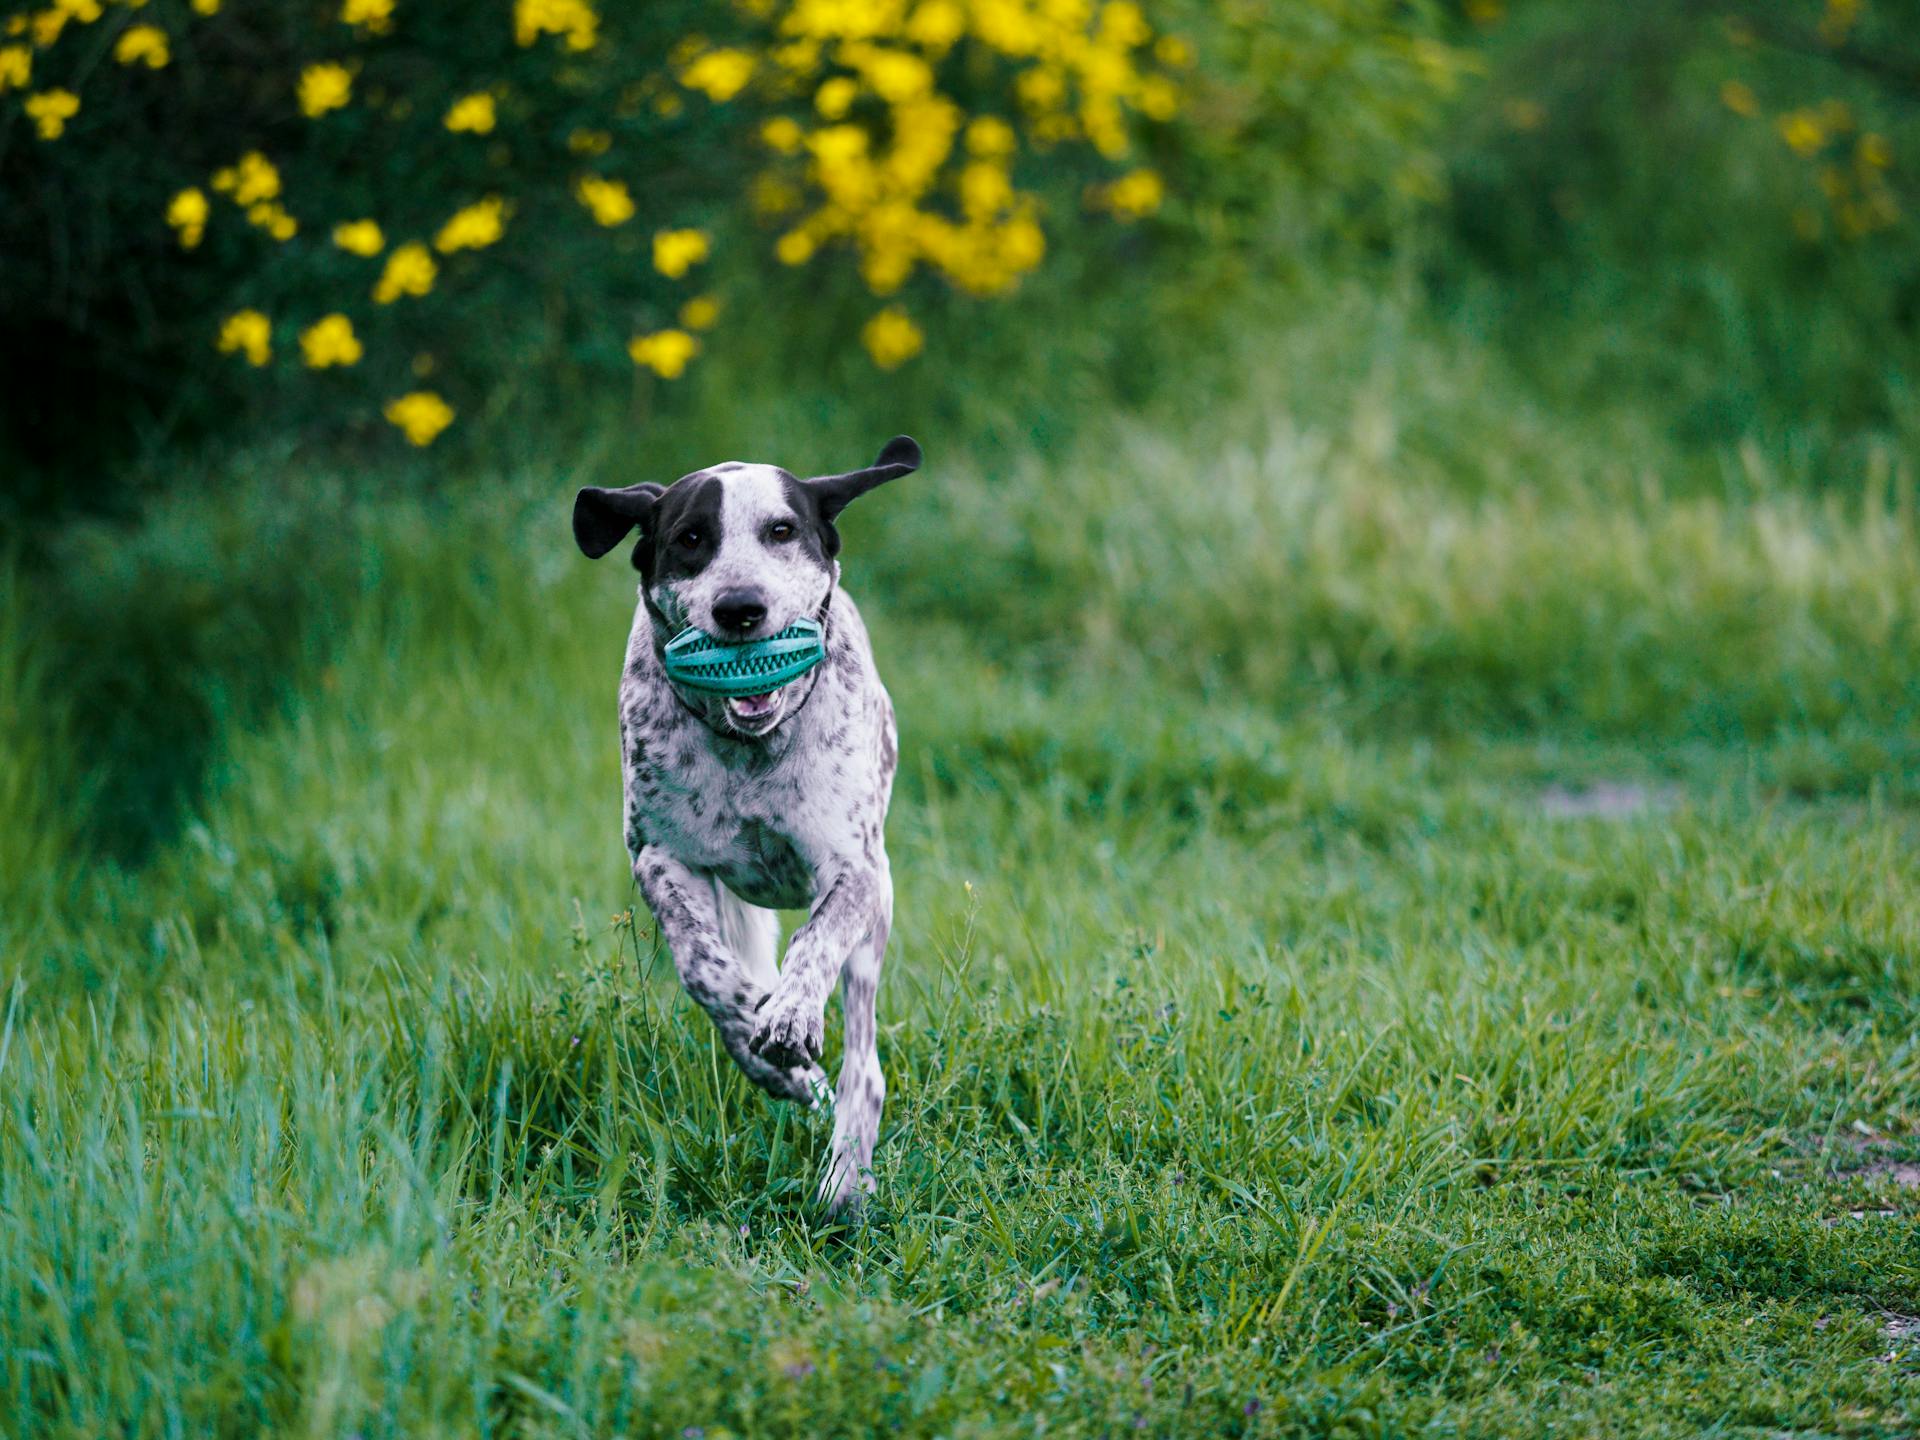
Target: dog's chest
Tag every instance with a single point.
(737, 827)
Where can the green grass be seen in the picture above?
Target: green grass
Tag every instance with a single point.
(1264, 1057)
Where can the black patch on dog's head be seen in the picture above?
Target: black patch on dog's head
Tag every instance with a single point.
(686, 530)
(679, 525)
(820, 500)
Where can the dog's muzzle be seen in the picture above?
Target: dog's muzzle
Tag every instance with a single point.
(698, 661)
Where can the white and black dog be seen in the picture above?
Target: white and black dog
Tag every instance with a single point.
(736, 807)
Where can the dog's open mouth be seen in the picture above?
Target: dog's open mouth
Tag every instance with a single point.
(756, 714)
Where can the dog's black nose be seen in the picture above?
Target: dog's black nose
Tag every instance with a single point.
(739, 611)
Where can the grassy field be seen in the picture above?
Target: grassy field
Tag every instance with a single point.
(1408, 922)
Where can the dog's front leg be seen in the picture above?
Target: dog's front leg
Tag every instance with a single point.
(862, 1087)
(792, 1020)
(847, 932)
(714, 976)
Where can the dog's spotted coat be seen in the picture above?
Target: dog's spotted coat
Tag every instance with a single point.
(735, 808)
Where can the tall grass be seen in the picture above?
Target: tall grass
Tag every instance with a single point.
(1263, 1057)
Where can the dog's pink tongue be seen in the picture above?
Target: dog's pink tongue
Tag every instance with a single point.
(752, 705)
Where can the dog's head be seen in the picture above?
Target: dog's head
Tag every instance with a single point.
(739, 551)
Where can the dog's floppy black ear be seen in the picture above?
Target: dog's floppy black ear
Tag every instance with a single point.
(899, 456)
(602, 518)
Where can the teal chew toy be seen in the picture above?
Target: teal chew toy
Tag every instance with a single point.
(698, 661)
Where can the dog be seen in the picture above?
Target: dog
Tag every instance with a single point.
(736, 807)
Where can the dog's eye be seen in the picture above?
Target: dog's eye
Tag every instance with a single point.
(780, 531)
(688, 539)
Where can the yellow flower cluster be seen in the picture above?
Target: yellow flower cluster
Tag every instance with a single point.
(677, 251)
(375, 17)
(474, 228)
(16, 67)
(607, 200)
(1133, 196)
(324, 87)
(50, 110)
(665, 352)
(420, 415)
(892, 338)
(359, 237)
(187, 214)
(574, 21)
(905, 177)
(1859, 197)
(254, 185)
(249, 333)
(249, 180)
(472, 115)
(410, 270)
(330, 341)
(866, 147)
(142, 45)
(46, 25)
(718, 74)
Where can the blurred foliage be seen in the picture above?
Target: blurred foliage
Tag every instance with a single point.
(1703, 208)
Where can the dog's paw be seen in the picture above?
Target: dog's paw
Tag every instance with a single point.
(805, 1085)
(791, 1031)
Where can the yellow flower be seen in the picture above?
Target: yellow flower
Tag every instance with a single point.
(1802, 131)
(268, 216)
(991, 138)
(700, 312)
(16, 68)
(250, 333)
(607, 199)
(205, 7)
(1159, 98)
(1172, 50)
(420, 414)
(1135, 194)
(142, 43)
(1874, 151)
(359, 237)
(589, 142)
(834, 98)
(373, 16)
(677, 251)
(51, 109)
(796, 247)
(574, 21)
(782, 133)
(984, 189)
(892, 338)
(719, 74)
(895, 75)
(252, 179)
(187, 214)
(1740, 99)
(330, 341)
(936, 24)
(410, 270)
(473, 228)
(473, 115)
(323, 87)
(665, 352)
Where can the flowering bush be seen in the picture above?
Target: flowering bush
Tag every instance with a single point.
(358, 187)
